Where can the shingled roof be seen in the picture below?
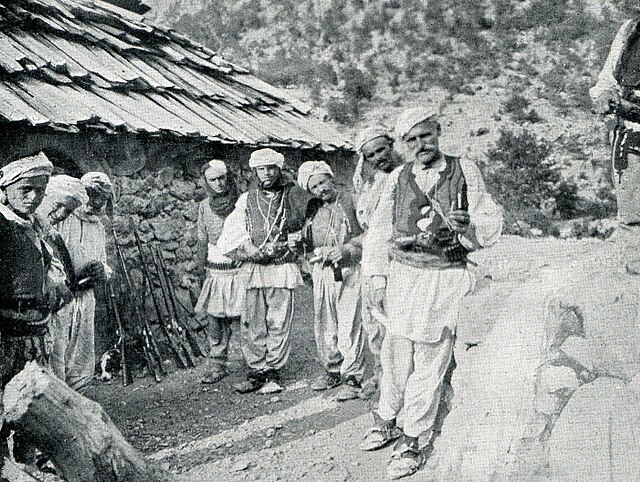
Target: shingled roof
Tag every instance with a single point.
(89, 64)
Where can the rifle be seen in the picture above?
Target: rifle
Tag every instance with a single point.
(149, 346)
(175, 344)
(172, 314)
(191, 336)
(121, 341)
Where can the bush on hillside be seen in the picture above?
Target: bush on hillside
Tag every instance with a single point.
(524, 179)
(517, 107)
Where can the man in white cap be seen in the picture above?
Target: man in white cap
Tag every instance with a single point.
(432, 212)
(259, 233)
(330, 234)
(29, 277)
(377, 159)
(617, 92)
(84, 236)
(221, 299)
(64, 195)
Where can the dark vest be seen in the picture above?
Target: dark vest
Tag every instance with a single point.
(627, 72)
(439, 242)
(22, 265)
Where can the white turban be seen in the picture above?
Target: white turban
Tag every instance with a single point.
(63, 187)
(412, 117)
(312, 168)
(32, 166)
(266, 157)
(215, 166)
(98, 181)
(371, 133)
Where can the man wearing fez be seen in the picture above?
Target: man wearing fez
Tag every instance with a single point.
(433, 210)
(260, 232)
(64, 195)
(29, 277)
(84, 236)
(377, 159)
(222, 296)
(329, 234)
(617, 91)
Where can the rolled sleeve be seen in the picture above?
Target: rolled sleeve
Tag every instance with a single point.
(606, 82)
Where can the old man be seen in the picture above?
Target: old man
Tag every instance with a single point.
(84, 236)
(221, 299)
(432, 212)
(329, 234)
(259, 233)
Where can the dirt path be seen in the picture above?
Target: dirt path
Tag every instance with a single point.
(215, 434)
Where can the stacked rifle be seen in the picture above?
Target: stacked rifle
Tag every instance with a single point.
(183, 343)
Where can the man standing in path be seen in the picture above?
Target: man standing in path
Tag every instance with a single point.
(258, 232)
(330, 228)
(84, 235)
(221, 299)
(618, 92)
(377, 160)
(432, 211)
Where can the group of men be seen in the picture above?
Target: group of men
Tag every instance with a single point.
(388, 270)
(52, 254)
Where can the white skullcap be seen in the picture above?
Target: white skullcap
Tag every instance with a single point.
(32, 166)
(215, 166)
(370, 133)
(412, 117)
(266, 157)
(309, 169)
(98, 181)
(63, 187)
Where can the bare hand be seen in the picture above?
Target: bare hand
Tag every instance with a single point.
(94, 270)
(252, 250)
(378, 299)
(459, 221)
(605, 102)
(336, 254)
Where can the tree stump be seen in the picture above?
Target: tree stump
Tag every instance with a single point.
(73, 431)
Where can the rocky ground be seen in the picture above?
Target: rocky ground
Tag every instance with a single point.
(205, 433)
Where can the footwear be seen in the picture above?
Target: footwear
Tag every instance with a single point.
(369, 389)
(326, 382)
(381, 434)
(349, 391)
(254, 381)
(406, 458)
(271, 382)
(213, 376)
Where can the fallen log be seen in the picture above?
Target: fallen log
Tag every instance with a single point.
(73, 431)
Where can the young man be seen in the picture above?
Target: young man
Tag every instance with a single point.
(329, 234)
(258, 232)
(64, 195)
(84, 235)
(618, 92)
(377, 160)
(222, 295)
(29, 278)
(432, 211)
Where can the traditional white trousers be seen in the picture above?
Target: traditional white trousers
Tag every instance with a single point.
(60, 329)
(628, 201)
(372, 326)
(81, 356)
(337, 321)
(266, 327)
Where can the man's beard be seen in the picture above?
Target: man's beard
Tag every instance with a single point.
(427, 155)
(274, 184)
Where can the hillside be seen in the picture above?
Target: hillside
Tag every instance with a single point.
(499, 67)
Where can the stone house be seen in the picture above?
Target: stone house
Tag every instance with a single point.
(96, 87)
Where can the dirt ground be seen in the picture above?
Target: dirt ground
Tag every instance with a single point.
(212, 433)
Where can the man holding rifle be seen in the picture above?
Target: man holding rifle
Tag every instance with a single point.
(259, 232)
(617, 91)
(84, 236)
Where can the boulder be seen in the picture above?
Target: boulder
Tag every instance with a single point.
(597, 436)
(554, 387)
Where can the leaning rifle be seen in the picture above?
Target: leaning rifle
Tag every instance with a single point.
(121, 340)
(172, 315)
(171, 338)
(191, 336)
(149, 346)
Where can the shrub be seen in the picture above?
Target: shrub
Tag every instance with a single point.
(516, 106)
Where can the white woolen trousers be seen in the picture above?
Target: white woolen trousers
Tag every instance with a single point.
(412, 380)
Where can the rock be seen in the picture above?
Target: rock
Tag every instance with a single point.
(268, 443)
(129, 204)
(577, 349)
(554, 387)
(597, 436)
(270, 432)
(191, 213)
(165, 176)
(183, 190)
(240, 465)
(168, 229)
(184, 254)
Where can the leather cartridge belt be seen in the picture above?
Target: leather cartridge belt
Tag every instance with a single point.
(227, 265)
